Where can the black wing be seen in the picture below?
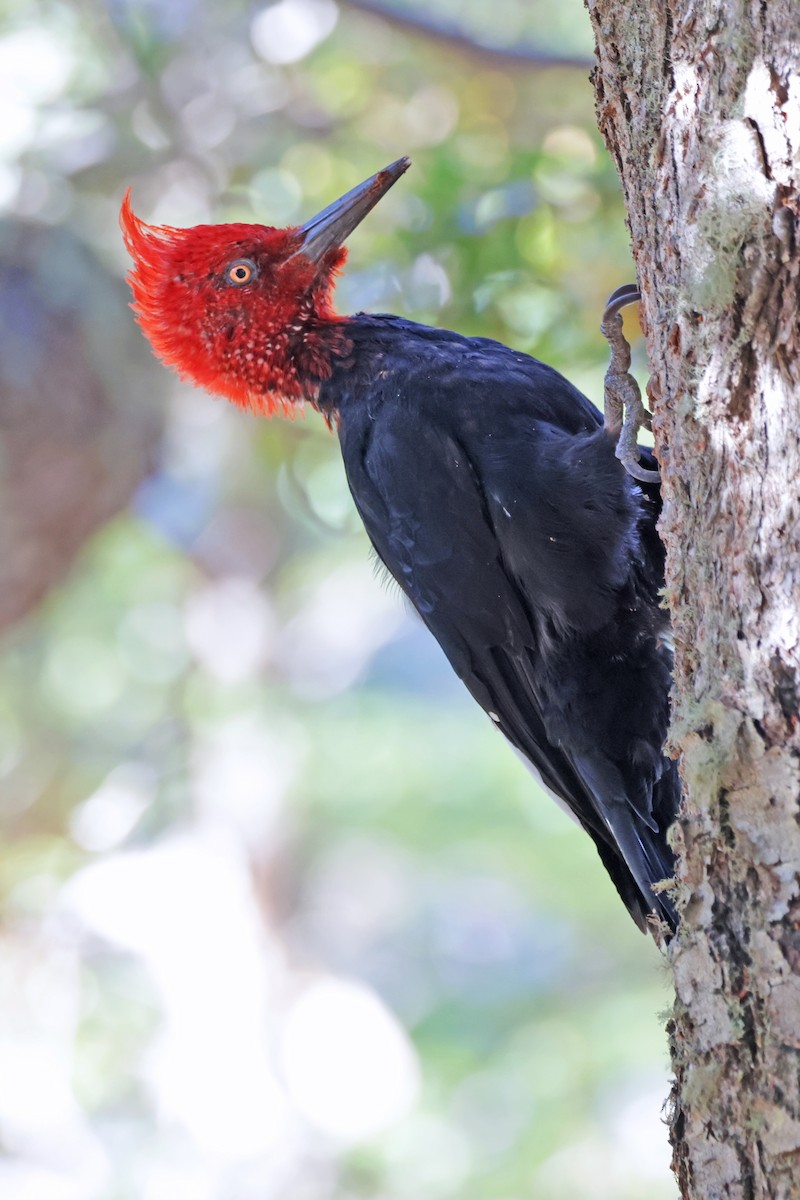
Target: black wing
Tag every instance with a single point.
(519, 545)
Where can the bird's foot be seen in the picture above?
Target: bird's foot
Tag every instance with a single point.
(625, 414)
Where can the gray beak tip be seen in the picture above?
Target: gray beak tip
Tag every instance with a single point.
(331, 227)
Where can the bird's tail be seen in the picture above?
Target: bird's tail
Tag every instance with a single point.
(642, 844)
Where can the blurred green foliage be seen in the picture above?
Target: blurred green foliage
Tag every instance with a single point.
(224, 706)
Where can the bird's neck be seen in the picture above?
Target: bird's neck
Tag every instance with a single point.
(346, 361)
(349, 359)
(324, 346)
(276, 373)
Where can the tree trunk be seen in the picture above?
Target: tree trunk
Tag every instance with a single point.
(700, 107)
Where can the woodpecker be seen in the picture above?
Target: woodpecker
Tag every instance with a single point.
(490, 490)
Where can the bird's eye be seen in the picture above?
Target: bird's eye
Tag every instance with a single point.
(244, 270)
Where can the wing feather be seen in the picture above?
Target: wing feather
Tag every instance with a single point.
(518, 543)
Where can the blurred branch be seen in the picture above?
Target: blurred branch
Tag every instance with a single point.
(79, 407)
(439, 30)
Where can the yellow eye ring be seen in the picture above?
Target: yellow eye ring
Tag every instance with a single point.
(243, 271)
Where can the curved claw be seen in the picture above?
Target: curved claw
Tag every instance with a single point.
(628, 451)
(625, 414)
(621, 298)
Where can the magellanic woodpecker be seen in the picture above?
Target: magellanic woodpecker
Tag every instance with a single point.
(490, 489)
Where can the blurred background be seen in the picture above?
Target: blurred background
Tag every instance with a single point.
(280, 914)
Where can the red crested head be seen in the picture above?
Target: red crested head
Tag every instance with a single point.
(245, 311)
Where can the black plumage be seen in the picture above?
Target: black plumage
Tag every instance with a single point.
(491, 492)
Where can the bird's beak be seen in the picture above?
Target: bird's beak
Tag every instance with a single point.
(329, 228)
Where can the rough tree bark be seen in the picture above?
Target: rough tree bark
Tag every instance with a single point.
(700, 107)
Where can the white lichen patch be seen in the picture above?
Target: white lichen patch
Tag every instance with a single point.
(764, 809)
(698, 983)
(780, 1133)
(784, 1010)
(778, 123)
(737, 199)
